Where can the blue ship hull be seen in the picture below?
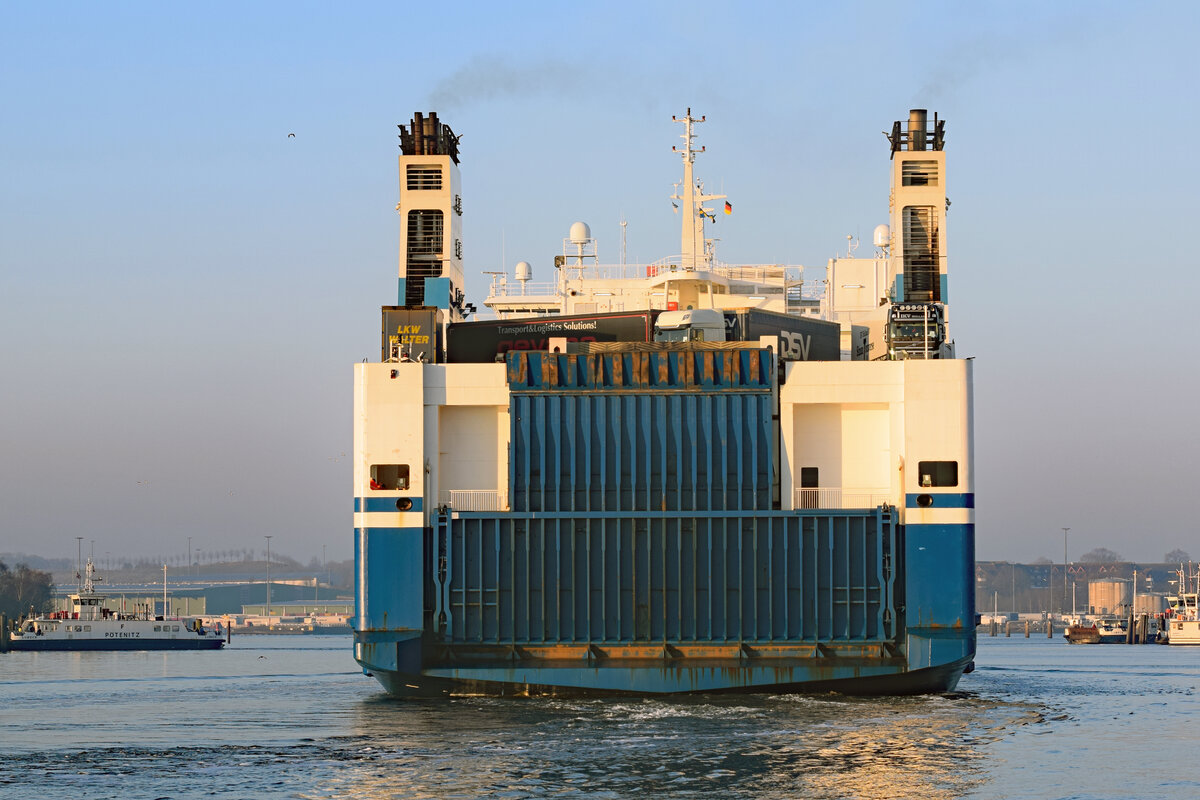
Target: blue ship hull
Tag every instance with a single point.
(858, 677)
(39, 644)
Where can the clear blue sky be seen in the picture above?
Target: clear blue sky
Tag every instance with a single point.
(185, 288)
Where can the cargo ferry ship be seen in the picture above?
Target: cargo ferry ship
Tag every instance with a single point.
(684, 476)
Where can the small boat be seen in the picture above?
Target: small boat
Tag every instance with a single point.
(1081, 631)
(1112, 629)
(89, 625)
(1182, 618)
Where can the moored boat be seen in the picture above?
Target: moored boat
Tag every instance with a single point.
(1082, 632)
(1182, 618)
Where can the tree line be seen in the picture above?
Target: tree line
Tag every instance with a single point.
(24, 588)
(1102, 555)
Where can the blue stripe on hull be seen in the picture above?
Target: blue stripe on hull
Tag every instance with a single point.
(963, 500)
(116, 644)
(385, 504)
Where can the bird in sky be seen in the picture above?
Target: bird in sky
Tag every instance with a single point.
(291, 136)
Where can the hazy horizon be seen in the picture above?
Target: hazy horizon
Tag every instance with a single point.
(188, 286)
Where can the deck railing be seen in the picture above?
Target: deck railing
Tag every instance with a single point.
(474, 499)
(823, 498)
(840, 498)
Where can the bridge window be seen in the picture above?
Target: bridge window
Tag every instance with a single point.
(938, 473)
(389, 477)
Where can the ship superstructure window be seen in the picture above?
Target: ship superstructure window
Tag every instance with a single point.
(389, 477)
(921, 282)
(938, 473)
(918, 173)
(422, 177)
(424, 252)
(810, 495)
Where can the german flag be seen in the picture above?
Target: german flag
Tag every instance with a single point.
(728, 207)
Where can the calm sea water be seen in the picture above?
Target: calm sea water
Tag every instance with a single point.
(293, 717)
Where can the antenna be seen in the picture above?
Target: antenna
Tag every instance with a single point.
(624, 224)
(499, 280)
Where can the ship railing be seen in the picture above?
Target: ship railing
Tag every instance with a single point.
(473, 499)
(506, 289)
(764, 277)
(840, 498)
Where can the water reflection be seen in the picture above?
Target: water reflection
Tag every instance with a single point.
(785, 746)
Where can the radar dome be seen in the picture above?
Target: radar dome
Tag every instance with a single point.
(524, 272)
(580, 233)
(883, 236)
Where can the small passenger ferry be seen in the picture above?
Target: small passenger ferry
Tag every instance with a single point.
(89, 625)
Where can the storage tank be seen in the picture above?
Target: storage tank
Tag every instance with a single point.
(1150, 604)
(1107, 596)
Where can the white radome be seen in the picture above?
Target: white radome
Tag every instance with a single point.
(580, 233)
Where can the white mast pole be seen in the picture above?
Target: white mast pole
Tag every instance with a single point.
(692, 239)
(79, 562)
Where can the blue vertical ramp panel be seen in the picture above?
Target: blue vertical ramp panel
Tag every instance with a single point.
(647, 431)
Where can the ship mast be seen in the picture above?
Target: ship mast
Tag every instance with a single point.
(693, 245)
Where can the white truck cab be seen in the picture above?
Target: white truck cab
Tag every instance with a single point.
(692, 325)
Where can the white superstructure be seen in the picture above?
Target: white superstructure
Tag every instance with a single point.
(906, 273)
(693, 278)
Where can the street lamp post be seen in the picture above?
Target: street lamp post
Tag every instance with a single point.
(1064, 594)
(268, 538)
(189, 556)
